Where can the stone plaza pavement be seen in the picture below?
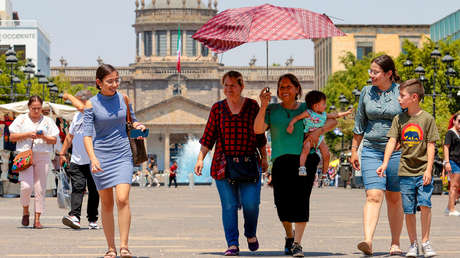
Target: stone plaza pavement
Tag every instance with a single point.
(186, 222)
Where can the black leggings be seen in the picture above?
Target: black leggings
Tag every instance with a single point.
(291, 191)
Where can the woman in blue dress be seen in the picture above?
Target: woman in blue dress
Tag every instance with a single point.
(107, 144)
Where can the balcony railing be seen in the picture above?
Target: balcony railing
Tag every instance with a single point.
(249, 73)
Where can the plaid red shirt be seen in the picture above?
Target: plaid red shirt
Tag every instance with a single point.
(237, 131)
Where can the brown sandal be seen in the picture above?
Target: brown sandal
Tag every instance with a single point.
(125, 253)
(111, 253)
(365, 248)
(25, 220)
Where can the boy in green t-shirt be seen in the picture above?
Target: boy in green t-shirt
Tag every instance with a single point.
(416, 131)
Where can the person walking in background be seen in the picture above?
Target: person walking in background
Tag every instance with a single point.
(173, 174)
(452, 163)
(33, 130)
(231, 127)
(378, 105)
(291, 191)
(416, 129)
(79, 168)
(107, 144)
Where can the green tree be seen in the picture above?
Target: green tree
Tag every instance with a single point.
(62, 82)
(355, 76)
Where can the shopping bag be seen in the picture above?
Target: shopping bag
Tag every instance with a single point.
(64, 190)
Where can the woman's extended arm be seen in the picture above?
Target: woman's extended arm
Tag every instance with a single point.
(199, 163)
(259, 123)
(75, 101)
(15, 137)
(328, 126)
(446, 163)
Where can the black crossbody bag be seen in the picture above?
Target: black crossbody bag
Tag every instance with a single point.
(239, 168)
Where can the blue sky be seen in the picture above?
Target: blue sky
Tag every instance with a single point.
(82, 30)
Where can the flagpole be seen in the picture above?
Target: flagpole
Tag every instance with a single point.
(179, 52)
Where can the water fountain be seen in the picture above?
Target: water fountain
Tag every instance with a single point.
(186, 161)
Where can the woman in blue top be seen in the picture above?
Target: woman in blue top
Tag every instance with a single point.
(378, 104)
(110, 154)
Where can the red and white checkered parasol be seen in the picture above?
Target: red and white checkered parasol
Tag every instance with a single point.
(234, 27)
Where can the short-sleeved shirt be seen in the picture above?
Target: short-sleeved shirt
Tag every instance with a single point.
(315, 121)
(23, 124)
(414, 133)
(453, 140)
(277, 118)
(376, 110)
(233, 134)
(79, 154)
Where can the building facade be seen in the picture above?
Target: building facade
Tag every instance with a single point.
(24, 36)
(176, 107)
(362, 40)
(448, 26)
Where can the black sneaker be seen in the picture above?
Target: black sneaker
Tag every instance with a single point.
(288, 246)
(297, 250)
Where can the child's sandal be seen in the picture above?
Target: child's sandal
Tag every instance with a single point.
(395, 250)
(125, 253)
(111, 253)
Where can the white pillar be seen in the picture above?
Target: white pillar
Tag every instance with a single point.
(154, 43)
(141, 43)
(166, 151)
(168, 43)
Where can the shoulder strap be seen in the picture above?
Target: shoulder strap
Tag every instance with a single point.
(128, 112)
(220, 135)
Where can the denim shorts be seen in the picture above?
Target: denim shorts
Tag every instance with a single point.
(455, 167)
(414, 194)
(371, 159)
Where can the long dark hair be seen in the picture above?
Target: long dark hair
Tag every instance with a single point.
(387, 64)
(102, 71)
(293, 80)
(33, 99)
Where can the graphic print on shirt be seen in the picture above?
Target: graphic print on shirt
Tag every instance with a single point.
(412, 134)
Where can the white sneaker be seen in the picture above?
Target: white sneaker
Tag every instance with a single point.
(427, 249)
(93, 225)
(454, 213)
(302, 171)
(71, 221)
(413, 250)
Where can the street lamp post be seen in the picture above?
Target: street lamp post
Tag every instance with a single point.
(29, 70)
(11, 60)
(43, 81)
(343, 101)
(408, 66)
(435, 54)
(53, 89)
(450, 72)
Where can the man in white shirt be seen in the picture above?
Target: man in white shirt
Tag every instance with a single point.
(79, 168)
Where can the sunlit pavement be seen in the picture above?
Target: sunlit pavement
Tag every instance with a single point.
(186, 222)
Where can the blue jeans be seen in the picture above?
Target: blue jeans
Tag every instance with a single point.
(371, 159)
(414, 194)
(232, 197)
(455, 167)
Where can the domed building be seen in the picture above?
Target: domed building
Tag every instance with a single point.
(175, 107)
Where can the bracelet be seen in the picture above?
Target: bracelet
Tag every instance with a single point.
(354, 146)
(444, 162)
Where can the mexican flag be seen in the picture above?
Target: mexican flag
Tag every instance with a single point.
(179, 47)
